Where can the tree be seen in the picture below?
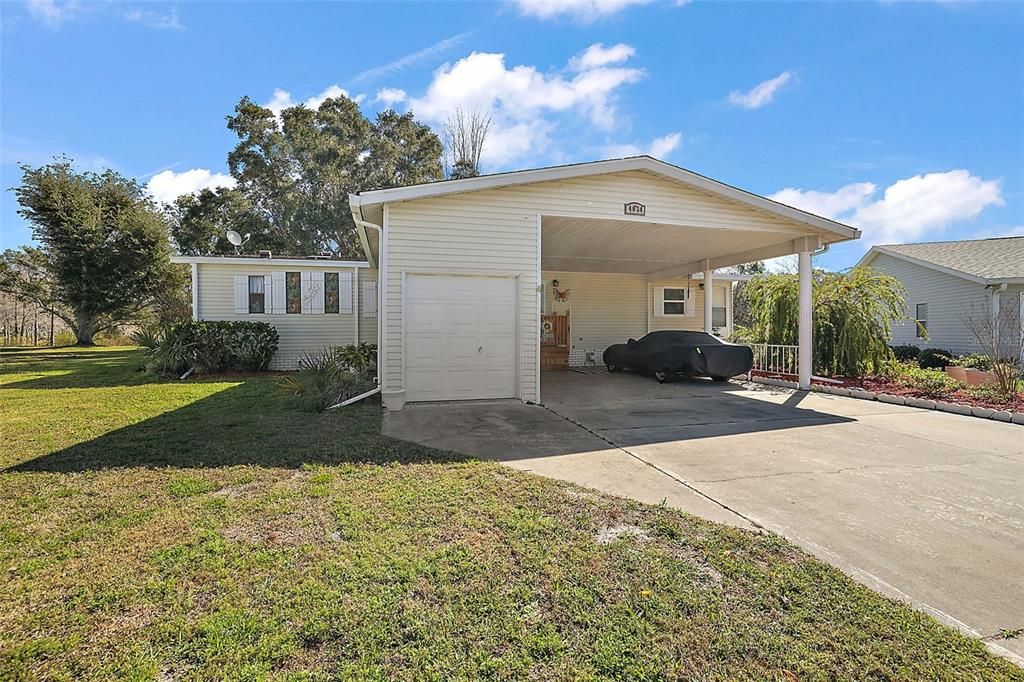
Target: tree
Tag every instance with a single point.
(295, 172)
(104, 247)
(465, 134)
(853, 316)
(741, 313)
(29, 289)
(199, 223)
(1000, 336)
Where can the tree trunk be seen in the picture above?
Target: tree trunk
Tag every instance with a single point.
(84, 325)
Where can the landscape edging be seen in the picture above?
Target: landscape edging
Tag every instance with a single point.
(920, 403)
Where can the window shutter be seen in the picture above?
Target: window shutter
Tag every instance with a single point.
(659, 301)
(345, 293)
(316, 293)
(690, 309)
(241, 294)
(277, 296)
(368, 307)
(305, 293)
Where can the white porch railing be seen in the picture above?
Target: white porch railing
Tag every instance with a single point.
(775, 358)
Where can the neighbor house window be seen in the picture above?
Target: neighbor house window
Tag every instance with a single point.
(922, 320)
(673, 301)
(293, 292)
(257, 294)
(331, 291)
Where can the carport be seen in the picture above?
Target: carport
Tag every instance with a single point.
(468, 267)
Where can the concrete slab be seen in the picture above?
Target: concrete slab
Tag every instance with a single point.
(921, 505)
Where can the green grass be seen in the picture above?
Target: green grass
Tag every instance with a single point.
(209, 530)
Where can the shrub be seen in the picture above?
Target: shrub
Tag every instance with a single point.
(934, 358)
(930, 382)
(358, 357)
(904, 353)
(326, 378)
(975, 360)
(147, 337)
(214, 346)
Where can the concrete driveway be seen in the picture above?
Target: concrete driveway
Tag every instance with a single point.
(924, 506)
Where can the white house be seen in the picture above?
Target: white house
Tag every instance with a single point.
(467, 268)
(949, 281)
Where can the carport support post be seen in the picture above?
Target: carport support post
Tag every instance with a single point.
(708, 297)
(805, 354)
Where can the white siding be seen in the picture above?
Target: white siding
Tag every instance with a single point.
(298, 333)
(949, 298)
(495, 232)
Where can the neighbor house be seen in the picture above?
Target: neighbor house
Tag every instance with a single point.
(949, 282)
(473, 286)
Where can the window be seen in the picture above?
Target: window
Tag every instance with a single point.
(293, 292)
(332, 303)
(718, 317)
(921, 317)
(673, 301)
(257, 294)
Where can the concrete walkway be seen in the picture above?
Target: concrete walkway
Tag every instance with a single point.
(924, 506)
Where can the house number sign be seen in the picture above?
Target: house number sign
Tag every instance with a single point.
(634, 208)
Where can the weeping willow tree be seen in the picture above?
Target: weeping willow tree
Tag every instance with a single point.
(853, 316)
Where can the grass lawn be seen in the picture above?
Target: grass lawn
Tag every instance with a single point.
(208, 529)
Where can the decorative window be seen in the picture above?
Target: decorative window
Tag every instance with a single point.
(332, 303)
(293, 292)
(257, 294)
(921, 317)
(673, 301)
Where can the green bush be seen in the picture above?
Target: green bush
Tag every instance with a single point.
(358, 357)
(327, 377)
(147, 337)
(214, 346)
(904, 353)
(931, 382)
(974, 360)
(934, 358)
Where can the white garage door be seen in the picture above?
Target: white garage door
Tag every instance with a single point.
(460, 337)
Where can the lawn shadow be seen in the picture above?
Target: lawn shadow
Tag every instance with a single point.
(77, 369)
(247, 423)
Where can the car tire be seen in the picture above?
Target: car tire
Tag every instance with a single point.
(719, 380)
(661, 376)
(613, 368)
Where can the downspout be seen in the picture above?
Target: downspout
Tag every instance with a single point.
(377, 388)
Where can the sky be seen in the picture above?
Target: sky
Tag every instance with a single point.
(903, 119)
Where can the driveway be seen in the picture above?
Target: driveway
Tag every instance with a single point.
(920, 505)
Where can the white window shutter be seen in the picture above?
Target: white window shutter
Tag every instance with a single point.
(659, 301)
(316, 293)
(345, 293)
(277, 297)
(690, 309)
(368, 306)
(241, 294)
(268, 294)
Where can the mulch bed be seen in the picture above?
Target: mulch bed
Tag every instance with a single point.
(883, 385)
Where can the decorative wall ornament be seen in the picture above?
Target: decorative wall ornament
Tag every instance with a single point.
(560, 295)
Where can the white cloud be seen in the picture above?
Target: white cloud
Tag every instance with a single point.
(911, 209)
(519, 99)
(282, 99)
(599, 55)
(581, 10)
(659, 147)
(760, 94)
(166, 186)
(390, 96)
(51, 12)
(411, 59)
(163, 22)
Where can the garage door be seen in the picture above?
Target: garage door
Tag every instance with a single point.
(460, 337)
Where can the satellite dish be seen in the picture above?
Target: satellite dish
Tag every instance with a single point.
(234, 238)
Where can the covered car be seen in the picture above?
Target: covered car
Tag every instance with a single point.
(669, 354)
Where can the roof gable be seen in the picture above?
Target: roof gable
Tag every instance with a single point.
(984, 261)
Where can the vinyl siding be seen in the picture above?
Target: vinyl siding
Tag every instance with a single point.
(299, 333)
(949, 298)
(495, 232)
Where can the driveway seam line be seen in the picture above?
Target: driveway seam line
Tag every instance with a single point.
(672, 476)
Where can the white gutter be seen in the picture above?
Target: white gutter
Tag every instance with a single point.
(362, 224)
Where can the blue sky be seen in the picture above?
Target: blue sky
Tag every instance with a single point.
(905, 119)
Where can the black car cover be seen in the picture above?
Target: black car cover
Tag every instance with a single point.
(681, 352)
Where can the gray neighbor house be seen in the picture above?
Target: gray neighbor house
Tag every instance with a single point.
(948, 281)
